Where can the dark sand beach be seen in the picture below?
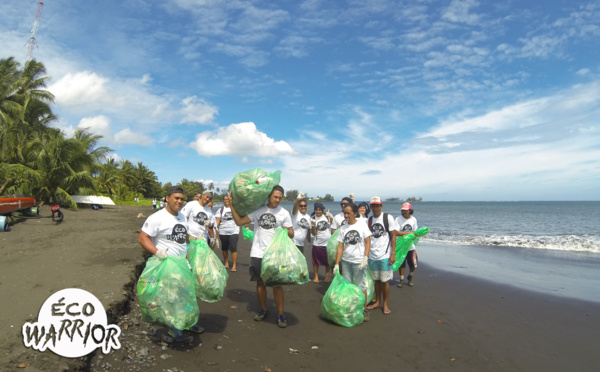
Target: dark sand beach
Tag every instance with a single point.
(445, 322)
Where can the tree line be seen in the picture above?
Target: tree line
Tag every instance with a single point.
(40, 161)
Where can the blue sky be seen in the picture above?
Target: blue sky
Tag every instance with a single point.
(444, 100)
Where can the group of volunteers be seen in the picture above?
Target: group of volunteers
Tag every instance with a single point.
(362, 240)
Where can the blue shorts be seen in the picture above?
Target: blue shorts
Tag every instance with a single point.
(380, 265)
(353, 274)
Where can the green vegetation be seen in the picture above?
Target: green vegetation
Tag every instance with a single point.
(40, 161)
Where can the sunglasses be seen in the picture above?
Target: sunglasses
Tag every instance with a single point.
(302, 205)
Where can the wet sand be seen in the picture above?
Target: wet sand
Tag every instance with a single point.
(446, 321)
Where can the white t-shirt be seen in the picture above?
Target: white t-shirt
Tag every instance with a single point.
(168, 232)
(227, 225)
(353, 237)
(409, 225)
(380, 240)
(196, 215)
(301, 225)
(266, 220)
(338, 221)
(323, 231)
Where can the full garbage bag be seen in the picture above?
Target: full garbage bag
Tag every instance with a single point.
(165, 292)
(332, 246)
(283, 263)
(404, 243)
(250, 189)
(343, 303)
(210, 276)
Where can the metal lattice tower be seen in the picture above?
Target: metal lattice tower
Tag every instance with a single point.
(36, 21)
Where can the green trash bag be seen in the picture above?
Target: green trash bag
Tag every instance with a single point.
(404, 243)
(332, 246)
(251, 189)
(166, 295)
(283, 263)
(370, 286)
(210, 276)
(419, 233)
(247, 233)
(343, 303)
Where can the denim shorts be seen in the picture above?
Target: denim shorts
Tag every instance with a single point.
(353, 274)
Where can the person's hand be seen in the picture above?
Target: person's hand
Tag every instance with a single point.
(207, 223)
(363, 264)
(300, 196)
(329, 215)
(161, 253)
(313, 223)
(392, 259)
(336, 269)
(217, 243)
(212, 243)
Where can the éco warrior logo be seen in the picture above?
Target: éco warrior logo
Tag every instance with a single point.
(303, 223)
(378, 230)
(267, 221)
(200, 218)
(178, 234)
(352, 237)
(322, 225)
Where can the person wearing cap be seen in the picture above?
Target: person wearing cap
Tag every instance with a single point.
(266, 219)
(339, 219)
(201, 218)
(320, 229)
(300, 222)
(382, 254)
(407, 224)
(354, 245)
(363, 211)
(165, 233)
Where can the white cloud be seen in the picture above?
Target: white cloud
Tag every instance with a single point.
(242, 139)
(127, 136)
(198, 111)
(459, 11)
(80, 88)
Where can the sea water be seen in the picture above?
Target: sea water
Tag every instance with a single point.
(550, 247)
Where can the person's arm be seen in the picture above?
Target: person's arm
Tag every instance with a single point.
(290, 231)
(146, 242)
(367, 246)
(392, 259)
(296, 207)
(239, 220)
(308, 235)
(340, 250)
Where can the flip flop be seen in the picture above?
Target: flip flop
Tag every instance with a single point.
(372, 307)
(388, 312)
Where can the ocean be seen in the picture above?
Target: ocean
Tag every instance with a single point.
(549, 247)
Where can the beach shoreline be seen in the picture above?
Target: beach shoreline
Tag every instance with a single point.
(446, 321)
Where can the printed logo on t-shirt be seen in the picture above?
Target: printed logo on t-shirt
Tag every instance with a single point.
(178, 234)
(267, 221)
(322, 225)
(407, 227)
(200, 218)
(227, 216)
(378, 230)
(303, 223)
(352, 237)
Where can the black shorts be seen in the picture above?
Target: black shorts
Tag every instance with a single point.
(411, 259)
(229, 242)
(301, 248)
(255, 267)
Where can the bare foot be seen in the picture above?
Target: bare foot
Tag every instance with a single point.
(233, 269)
(316, 280)
(387, 311)
(327, 280)
(374, 306)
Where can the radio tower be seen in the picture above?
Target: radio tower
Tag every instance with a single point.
(34, 29)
